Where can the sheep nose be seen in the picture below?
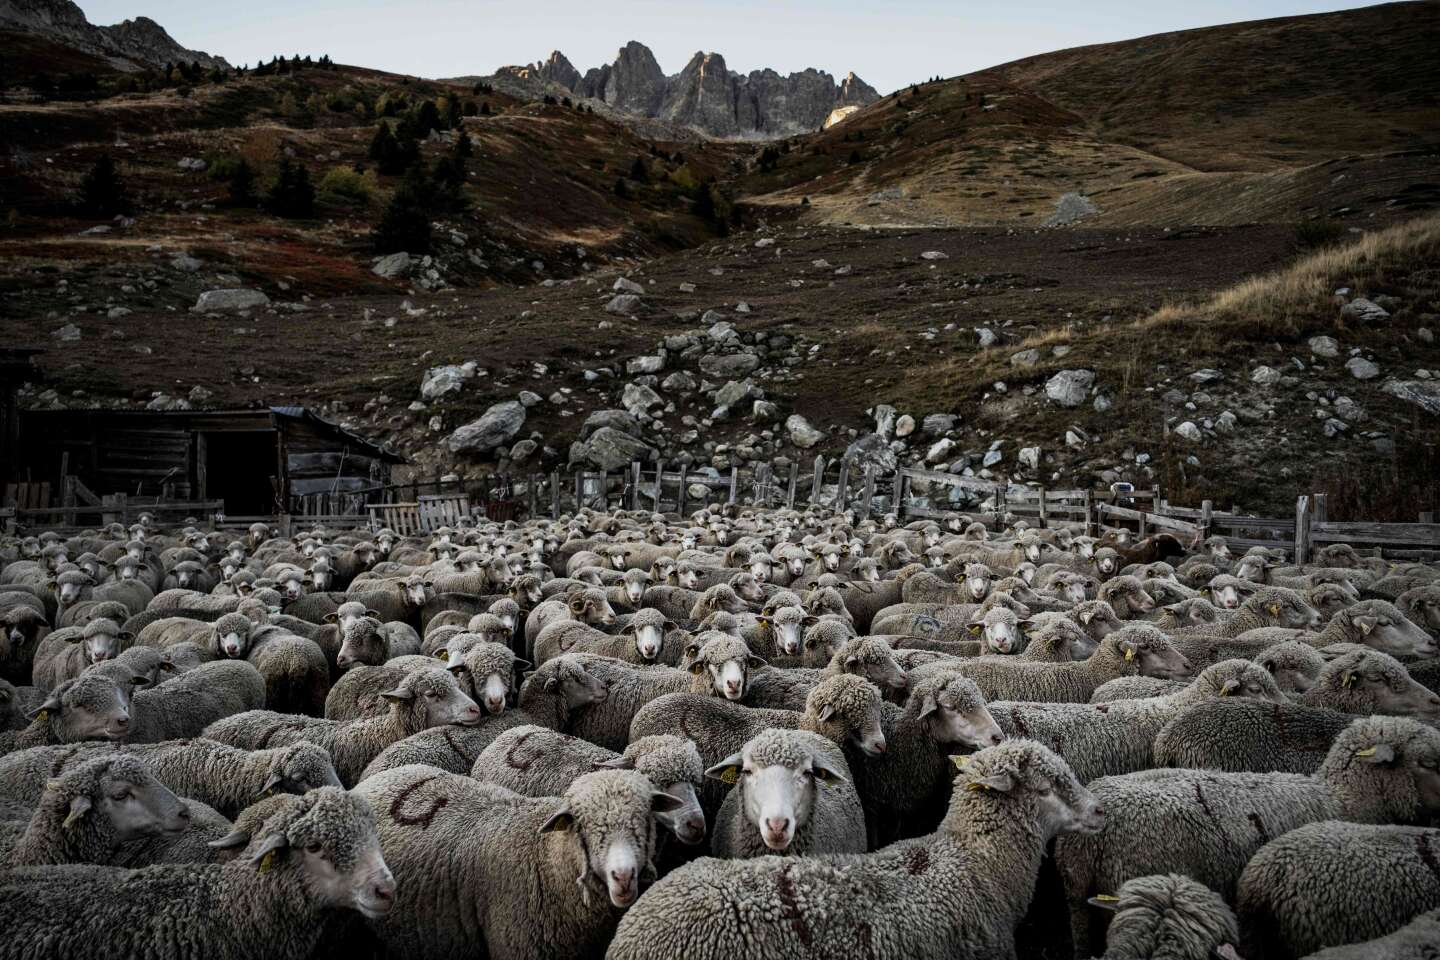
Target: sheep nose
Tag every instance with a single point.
(343, 660)
(997, 738)
(777, 826)
(623, 877)
(184, 812)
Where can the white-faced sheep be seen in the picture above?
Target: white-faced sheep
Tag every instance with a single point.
(539, 762)
(1333, 883)
(480, 868)
(958, 893)
(66, 652)
(1379, 770)
(641, 640)
(424, 699)
(1364, 681)
(792, 795)
(319, 854)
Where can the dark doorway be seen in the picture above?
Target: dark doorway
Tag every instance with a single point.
(238, 469)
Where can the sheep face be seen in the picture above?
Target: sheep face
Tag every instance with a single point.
(778, 781)
(1379, 625)
(91, 707)
(1127, 597)
(1106, 561)
(290, 583)
(1155, 654)
(1000, 630)
(1191, 612)
(569, 679)
(590, 606)
(417, 591)
(955, 714)
(333, 842)
(434, 698)
(1288, 611)
(1383, 684)
(1293, 674)
(607, 819)
(1027, 775)
(786, 625)
(761, 567)
(71, 587)
(130, 798)
(634, 583)
(977, 580)
(230, 637)
(872, 660)
(362, 644)
(649, 636)
(21, 625)
(102, 640)
(728, 663)
(1251, 567)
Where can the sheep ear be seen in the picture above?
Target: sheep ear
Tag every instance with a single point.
(621, 762)
(1380, 753)
(928, 706)
(826, 712)
(1274, 609)
(1105, 902)
(727, 770)
(270, 848)
(664, 803)
(1128, 647)
(79, 806)
(522, 665)
(40, 712)
(398, 695)
(560, 822)
(1229, 687)
(826, 772)
(1225, 951)
(233, 840)
(809, 621)
(551, 685)
(698, 667)
(755, 663)
(671, 626)
(1001, 782)
(271, 785)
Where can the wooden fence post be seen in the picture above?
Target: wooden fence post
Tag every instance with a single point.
(684, 492)
(794, 478)
(1302, 530)
(659, 483)
(1207, 508)
(1000, 492)
(841, 491)
(1044, 512)
(869, 489)
(819, 480)
(555, 495)
(1321, 505)
(634, 484)
(734, 483)
(1092, 528)
(902, 493)
(579, 490)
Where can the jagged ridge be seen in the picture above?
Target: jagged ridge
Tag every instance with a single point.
(130, 44)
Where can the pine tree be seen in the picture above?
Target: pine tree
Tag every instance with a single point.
(464, 147)
(102, 192)
(639, 172)
(241, 184)
(292, 194)
(405, 225)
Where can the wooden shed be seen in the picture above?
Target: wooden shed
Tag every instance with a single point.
(260, 462)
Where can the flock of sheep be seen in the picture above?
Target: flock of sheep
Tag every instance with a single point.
(742, 733)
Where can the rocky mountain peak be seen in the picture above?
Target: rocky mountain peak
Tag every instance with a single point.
(131, 44)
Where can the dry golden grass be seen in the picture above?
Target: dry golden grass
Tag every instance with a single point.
(1301, 296)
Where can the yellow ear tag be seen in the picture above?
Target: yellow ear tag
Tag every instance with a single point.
(1367, 752)
(1347, 680)
(960, 760)
(1107, 898)
(267, 861)
(977, 787)
(42, 714)
(1274, 609)
(730, 775)
(1129, 653)
(443, 654)
(974, 628)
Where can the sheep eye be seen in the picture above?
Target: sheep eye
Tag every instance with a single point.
(312, 848)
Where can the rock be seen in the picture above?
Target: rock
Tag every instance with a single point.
(1073, 439)
(440, 381)
(647, 364)
(905, 426)
(697, 491)
(801, 433)
(237, 299)
(1364, 311)
(1423, 393)
(681, 381)
(764, 410)
(1025, 358)
(1225, 423)
(1362, 369)
(687, 288)
(529, 399)
(884, 420)
(613, 419)
(102, 229)
(872, 450)
(721, 331)
(1207, 376)
(192, 164)
(1334, 427)
(1029, 457)
(939, 450)
(1324, 347)
(523, 450)
(497, 426)
(609, 449)
(991, 458)
(1102, 403)
(764, 242)
(624, 285)
(734, 393)
(163, 401)
(934, 255)
(938, 424)
(199, 394)
(638, 399)
(1265, 376)
(1349, 410)
(1071, 208)
(986, 337)
(67, 332)
(186, 264)
(1189, 431)
(625, 304)
(1069, 388)
(728, 366)
(393, 267)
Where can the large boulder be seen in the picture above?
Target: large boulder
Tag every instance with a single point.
(440, 381)
(638, 398)
(609, 449)
(802, 434)
(239, 299)
(872, 450)
(1069, 388)
(614, 419)
(393, 267)
(728, 366)
(1423, 393)
(495, 428)
(624, 304)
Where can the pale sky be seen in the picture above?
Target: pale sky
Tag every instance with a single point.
(886, 44)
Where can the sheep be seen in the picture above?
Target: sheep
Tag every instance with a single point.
(1422, 605)
(1295, 666)
(777, 634)
(958, 893)
(223, 777)
(721, 667)
(844, 709)
(85, 814)
(186, 705)
(1243, 734)
(319, 854)
(1332, 883)
(550, 697)
(366, 641)
(1194, 612)
(1109, 738)
(1137, 649)
(1134, 688)
(585, 605)
(538, 762)
(1168, 917)
(481, 869)
(1364, 681)
(867, 657)
(90, 707)
(22, 626)
(424, 699)
(1414, 941)
(1127, 597)
(63, 654)
(1371, 623)
(1055, 638)
(1379, 770)
(295, 670)
(792, 796)
(640, 641)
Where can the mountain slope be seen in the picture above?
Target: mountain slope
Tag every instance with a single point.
(131, 44)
